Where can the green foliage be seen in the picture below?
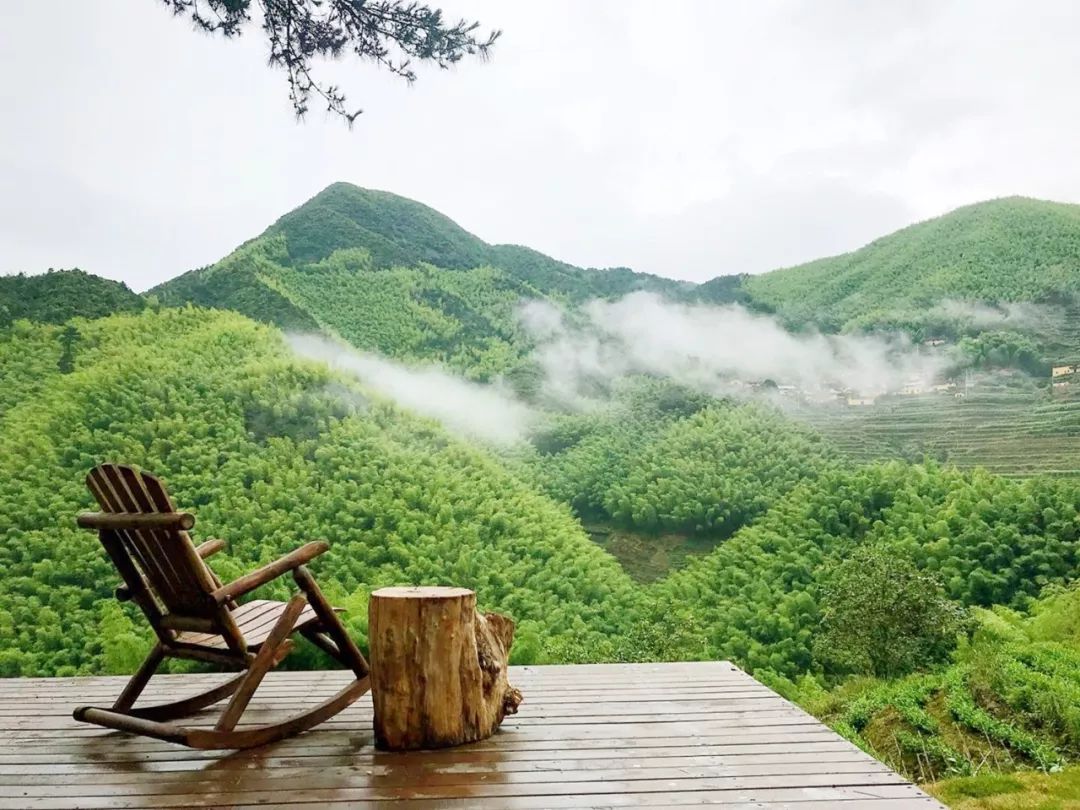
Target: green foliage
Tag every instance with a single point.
(268, 452)
(715, 471)
(1056, 617)
(389, 274)
(582, 457)
(1006, 426)
(661, 458)
(1003, 349)
(881, 616)
(59, 295)
(465, 320)
(1030, 790)
(964, 708)
(989, 540)
(1008, 700)
(68, 338)
(1012, 249)
(661, 632)
(980, 787)
(242, 282)
(396, 230)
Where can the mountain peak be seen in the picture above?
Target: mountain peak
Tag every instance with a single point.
(394, 229)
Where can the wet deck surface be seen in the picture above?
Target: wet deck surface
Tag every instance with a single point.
(618, 735)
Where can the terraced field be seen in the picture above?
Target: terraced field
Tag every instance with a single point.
(1061, 334)
(1010, 431)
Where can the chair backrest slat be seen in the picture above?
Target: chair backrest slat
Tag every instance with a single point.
(166, 558)
(103, 487)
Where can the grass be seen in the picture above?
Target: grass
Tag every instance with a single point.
(1020, 790)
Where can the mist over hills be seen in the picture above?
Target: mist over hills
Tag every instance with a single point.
(634, 468)
(992, 253)
(918, 279)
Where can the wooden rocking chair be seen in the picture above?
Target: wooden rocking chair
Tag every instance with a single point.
(195, 616)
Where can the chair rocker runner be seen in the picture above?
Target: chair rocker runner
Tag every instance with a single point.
(196, 617)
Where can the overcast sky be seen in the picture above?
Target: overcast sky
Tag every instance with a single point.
(689, 139)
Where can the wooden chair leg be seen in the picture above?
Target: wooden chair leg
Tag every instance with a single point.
(350, 654)
(264, 659)
(320, 640)
(139, 680)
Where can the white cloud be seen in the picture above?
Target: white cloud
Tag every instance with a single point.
(476, 411)
(709, 347)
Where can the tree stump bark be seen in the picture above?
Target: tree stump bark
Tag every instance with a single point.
(438, 668)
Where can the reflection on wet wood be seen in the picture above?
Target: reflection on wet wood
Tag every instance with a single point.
(619, 735)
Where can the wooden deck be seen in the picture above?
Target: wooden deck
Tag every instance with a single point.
(618, 735)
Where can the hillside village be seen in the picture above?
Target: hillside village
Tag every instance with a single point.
(1064, 379)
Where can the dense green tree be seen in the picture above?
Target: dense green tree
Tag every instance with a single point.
(989, 540)
(59, 295)
(394, 275)
(882, 616)
(68, 338)
(268, 452)
(1013, 249)
(1009, 699)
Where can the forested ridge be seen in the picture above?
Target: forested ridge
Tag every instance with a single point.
(926, 611)
(1005, 250)
(1000, 279)
(396, 276)
(58, 295)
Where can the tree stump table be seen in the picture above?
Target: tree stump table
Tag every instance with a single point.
(438, 668)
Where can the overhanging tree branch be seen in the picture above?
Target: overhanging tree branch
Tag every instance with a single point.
(391, 33)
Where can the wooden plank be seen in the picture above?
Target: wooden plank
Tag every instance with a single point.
(308, 794)
(29, 772)
(135, 520)
(435, 775)
(655, 800)
(190, 579)
(784, 799)
(549, 708)
(528, 734)
(155, 691)
(532, 676)
(324, 741)
(652, 735)
(168, 686)
(552, 710)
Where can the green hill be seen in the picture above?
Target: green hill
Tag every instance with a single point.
(59, 295)
(1006, 250)
(392, 275)
(268, 452)
(399, 232)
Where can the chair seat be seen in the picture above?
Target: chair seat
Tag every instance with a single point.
(255, 619)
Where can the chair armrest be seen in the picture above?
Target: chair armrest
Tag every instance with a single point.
(209, 547)
(135, 520)
(260, 576)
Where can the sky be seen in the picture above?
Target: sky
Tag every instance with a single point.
(688, 139)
